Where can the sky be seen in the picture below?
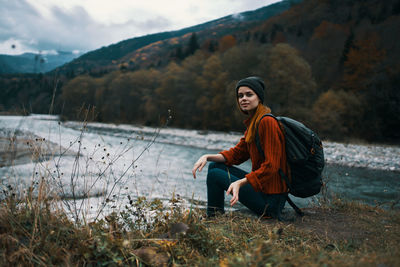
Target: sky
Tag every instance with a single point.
(84, 25)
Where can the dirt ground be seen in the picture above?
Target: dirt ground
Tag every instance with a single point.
(361, 224)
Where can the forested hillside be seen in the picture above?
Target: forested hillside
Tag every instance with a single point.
(158, 49)
(335, 65)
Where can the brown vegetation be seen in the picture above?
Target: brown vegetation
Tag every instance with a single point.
(33, 233)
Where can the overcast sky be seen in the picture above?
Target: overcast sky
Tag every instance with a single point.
(84, 25)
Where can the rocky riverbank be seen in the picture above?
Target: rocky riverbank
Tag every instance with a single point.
(367, 156)
(19, 147)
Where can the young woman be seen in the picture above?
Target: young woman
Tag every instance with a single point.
(262, 190)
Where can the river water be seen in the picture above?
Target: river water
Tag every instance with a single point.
(121, 160)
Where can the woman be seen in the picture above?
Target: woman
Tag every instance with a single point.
(262, 190)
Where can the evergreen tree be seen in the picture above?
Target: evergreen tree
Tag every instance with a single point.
(193, 44)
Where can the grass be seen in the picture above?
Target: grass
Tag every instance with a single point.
(33, 232)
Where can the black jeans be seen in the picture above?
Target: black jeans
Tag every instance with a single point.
(220, 176)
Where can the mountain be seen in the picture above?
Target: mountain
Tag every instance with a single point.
(139, 51)
(333, 65)
(145, 50)
(34, 63)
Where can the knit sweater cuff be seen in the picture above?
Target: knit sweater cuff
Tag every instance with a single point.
(253, 180)
(228, 159)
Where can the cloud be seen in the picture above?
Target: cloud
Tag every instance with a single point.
(24, 26)
(86, 25)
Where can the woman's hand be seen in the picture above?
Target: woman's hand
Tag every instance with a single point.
(199, 165)
(234, 189)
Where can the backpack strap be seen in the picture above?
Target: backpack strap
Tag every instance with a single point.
(294, 206)
(282, 174)
(291, 203)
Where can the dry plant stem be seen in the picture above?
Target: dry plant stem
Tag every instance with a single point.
(74, 174)
(149, 144)
(57, 178)
(37, 211)
(111, 182)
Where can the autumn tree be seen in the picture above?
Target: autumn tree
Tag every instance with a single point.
(243, 60)
(226, 42)
(337, 114)
(362, 59)
(214, 104)
(383, 105)
(290, 84)
(209, 45)
(129, 94)
(175, 93)
(148, 81)
(77, 94)
(325, 51)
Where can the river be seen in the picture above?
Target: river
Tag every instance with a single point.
(142, 161)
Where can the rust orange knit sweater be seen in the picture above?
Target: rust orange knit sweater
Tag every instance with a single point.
(264, 176)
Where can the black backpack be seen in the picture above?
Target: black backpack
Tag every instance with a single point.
(304, 155)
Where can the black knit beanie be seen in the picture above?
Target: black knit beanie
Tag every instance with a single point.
(255, 83)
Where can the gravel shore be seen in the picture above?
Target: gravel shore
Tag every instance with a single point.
(22, 147)
(367, 156)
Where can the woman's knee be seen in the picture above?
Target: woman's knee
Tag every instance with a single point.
(218, 176)
(216, 165)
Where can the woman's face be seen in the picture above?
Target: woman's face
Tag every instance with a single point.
(248, 100)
